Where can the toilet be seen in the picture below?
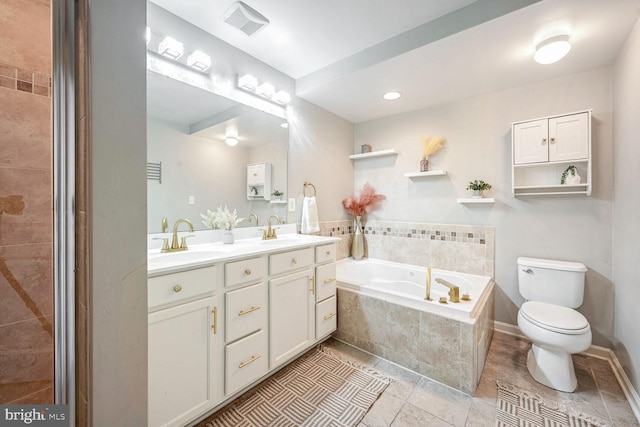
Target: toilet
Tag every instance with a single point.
(552, 290)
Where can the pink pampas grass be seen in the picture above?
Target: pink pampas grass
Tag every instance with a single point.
(367, 202)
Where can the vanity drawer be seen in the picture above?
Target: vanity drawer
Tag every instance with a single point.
(326, 317)
(245, 271)
(171, 289)
(325, 281)
(325, 253)
(245, 361)
(246, 311)
(290, 261)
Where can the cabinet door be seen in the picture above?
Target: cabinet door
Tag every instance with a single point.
(569, 137)
(291, 316)
(325, 281)
(181, 376)
(255, 174)
(530, 143)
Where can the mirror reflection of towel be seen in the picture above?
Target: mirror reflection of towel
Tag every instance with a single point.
(309, 220)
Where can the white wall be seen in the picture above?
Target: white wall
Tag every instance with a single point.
(117, 209)
(478, 145)
(626, 226)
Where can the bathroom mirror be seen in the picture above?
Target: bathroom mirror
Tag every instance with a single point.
(190, 167)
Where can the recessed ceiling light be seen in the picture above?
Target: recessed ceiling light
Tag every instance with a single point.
(390, 96)
(552, 49)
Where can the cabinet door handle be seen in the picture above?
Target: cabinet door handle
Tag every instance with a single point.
(313, 285)
(544, 140)
(248, 310)
(329, 280)
(215, 320)
(247, 272)
(245, 363)
(177, 288)
(329, 316)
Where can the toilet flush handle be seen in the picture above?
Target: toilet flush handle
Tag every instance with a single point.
(528, 271)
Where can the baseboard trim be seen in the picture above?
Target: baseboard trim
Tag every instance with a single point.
(594, 351)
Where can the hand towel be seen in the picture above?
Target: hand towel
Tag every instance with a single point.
(309, 220)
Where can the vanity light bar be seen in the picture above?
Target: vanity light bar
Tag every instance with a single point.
(266, 90)
(199, 60)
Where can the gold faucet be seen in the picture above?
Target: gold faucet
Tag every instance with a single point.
(270, 233)
(253, 215)
(165, 224)
(183, 242)
(454, 291)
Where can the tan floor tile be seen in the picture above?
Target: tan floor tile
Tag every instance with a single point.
(352, 354)
(383, 411)
(444, 402)
(412, 416)
(403, 380)
(619, 410)
(481, 415)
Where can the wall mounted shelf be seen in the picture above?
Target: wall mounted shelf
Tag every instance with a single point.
(379, 153)
(278, 202)
(477, 200)
(424, 174)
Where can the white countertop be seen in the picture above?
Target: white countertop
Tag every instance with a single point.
(204, 254)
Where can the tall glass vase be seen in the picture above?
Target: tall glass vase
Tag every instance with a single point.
(357, 244)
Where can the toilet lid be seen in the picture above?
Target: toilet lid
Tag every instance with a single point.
(554, 317)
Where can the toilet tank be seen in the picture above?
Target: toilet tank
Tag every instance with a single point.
(551, 281)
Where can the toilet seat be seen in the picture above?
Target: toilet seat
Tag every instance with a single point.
(555, 318)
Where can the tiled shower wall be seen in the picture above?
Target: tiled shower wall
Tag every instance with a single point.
(461, 248)
(26, 279)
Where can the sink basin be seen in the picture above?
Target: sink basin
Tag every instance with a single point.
(183, 257)
(278, 241)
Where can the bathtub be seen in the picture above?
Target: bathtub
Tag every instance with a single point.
(382, 310)
(406, 284)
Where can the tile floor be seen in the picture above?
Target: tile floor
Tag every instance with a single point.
(414, 400)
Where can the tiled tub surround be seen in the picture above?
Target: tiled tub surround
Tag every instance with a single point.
(462, 248)
(447, 348)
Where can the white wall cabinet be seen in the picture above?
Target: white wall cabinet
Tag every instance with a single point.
(543, 148)
(259, 181)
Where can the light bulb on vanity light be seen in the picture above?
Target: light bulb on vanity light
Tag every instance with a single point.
(247, 82)
(552, 49)
(171, 48)
(265, 89)
(282, 97)
(199, 61)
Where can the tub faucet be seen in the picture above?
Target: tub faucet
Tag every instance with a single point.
(183, 242)
(454, 291)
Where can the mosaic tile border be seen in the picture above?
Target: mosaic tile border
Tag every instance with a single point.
(22, 80)
(430, 232)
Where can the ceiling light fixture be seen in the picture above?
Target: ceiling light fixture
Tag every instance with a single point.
(552, 49)
(266, 89)
(171, 48)
(231, 141)
(249, 83)
(199, 61)
(245, 18)
(282, 97)
(390, 96)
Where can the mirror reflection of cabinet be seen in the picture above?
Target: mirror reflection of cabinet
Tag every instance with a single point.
(259, 181)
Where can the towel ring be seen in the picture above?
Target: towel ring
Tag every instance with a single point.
(308, 184)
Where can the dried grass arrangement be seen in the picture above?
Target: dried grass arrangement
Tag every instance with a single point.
(367, 202)
(431, 145)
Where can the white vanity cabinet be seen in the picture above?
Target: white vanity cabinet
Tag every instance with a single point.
(259, 181)
(543, 148)
(181, 346)
(325, 291)
(246, 355)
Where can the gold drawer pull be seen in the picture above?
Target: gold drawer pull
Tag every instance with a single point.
(249, 310)
(247, 272)
(177, 288)
(313, 285)
(253, 359)
(294, 261)
(329, 316)
(215, 320)
(329, 280)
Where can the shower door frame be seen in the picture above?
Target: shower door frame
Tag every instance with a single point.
(64, 178)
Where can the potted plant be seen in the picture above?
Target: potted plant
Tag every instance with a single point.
(276, 194)
(222, 219)
(478, 186)
(570, 176)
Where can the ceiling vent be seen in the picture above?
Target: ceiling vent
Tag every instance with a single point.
(245, 18)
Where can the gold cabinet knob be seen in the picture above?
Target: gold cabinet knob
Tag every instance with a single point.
(247, 272)
(328, 253)
(177, 288)
(294, 261)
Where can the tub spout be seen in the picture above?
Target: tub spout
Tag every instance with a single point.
(454, 291)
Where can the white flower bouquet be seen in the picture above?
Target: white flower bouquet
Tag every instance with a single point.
(221, 218)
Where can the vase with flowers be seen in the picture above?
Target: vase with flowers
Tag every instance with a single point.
(358, 207)
(223, 219)
(430, 146)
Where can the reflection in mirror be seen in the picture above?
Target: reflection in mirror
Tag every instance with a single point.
(186, 131)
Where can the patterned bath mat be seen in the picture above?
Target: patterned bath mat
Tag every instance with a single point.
(318, 389)
(519, 408)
